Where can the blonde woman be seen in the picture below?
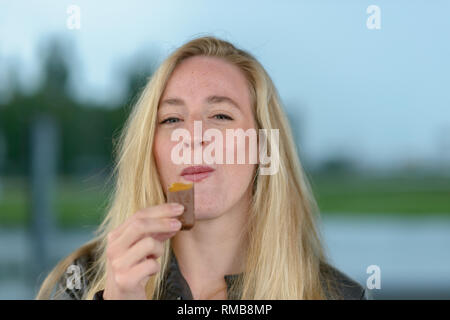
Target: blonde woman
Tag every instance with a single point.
(255, 235)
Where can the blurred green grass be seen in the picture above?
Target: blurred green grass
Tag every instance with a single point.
(81, 203)
(78, 203)
(401, 194)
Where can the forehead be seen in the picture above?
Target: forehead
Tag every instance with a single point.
(198, 77)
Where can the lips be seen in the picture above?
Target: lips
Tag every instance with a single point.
(196, 173)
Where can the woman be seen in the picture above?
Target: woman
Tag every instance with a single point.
(254, 236)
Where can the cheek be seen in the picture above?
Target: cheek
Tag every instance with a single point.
(238, 175)
(162, 151)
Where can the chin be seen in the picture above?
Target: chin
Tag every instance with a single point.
(206, 213)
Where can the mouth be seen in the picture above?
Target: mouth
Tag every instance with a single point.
(196, 173)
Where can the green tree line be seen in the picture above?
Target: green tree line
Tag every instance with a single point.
(86, 130)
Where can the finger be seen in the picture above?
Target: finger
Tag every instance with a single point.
(145, 227)
(163, 236)
(144, 248)
(144, 270)
(163, 210)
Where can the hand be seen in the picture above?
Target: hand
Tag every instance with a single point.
(133, 248)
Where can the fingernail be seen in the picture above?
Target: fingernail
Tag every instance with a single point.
(177, 208)
(175, 224)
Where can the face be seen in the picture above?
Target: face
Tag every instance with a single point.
(215, 92)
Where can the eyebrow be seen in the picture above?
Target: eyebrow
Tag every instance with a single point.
(209, 100)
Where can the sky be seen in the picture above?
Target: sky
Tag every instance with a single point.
(380, 96)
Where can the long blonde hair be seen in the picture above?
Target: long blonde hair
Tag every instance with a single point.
(285, 255)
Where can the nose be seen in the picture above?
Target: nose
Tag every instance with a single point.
(193, 142)
(195, 128)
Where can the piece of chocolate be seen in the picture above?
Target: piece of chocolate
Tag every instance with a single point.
(184, 194)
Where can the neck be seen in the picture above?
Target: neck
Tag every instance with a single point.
(213, 248)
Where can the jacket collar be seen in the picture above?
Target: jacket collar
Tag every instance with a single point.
(176, 286)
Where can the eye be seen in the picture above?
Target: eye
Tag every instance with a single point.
(222, 116)
(169, 120)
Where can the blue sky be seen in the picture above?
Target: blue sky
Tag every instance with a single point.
(381, 96)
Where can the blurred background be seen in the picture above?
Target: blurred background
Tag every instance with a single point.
(366, 90)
